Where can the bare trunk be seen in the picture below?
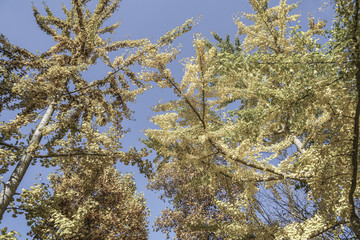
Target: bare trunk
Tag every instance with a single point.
(11, 186)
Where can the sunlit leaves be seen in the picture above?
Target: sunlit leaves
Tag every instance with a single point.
(273, 122)
(87, 202)
(84, 119)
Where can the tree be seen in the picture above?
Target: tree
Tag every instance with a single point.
(86, 203)
(278, 121)
(61, 116)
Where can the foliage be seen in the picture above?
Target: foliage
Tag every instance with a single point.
(263, 143)
(61, 117)
(86, 203)
(8, 235)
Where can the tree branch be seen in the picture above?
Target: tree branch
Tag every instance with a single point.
(9, 145)
(71, 155)
(253, 165)
(185, 98)
(299, 145)
(325, 229)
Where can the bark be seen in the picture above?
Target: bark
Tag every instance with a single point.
(299, 145)
(11, 186)
(354, 219)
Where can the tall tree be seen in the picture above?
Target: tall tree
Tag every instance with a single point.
(346, 46)
(278, 121)
(60, 115)
(86, 203)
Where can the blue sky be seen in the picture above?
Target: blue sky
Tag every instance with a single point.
(140, 19)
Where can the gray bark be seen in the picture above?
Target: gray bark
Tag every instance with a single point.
(299, 145)
(17, 175)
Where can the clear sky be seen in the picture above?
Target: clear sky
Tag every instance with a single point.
(140, 19)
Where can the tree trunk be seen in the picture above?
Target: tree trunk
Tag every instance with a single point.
(11, 186)
(354, 219)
